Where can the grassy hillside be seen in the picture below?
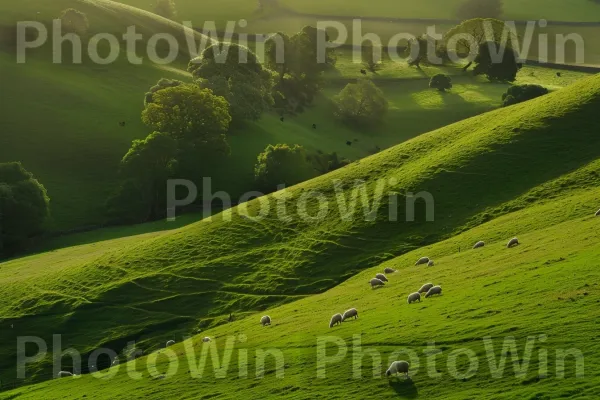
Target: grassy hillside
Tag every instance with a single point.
(192, 278)
(557, 10)
(546, 286)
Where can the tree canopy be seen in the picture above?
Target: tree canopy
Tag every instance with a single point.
(282, 164)
(234, 72)
(298, 66)
(144, 170)
(441, 82)
(361, 103)
(24, 207)
(520, 93)
(74, 21)
(496, 62)
(163, 83)
(165, 8)
(188, 112)
(481, 30)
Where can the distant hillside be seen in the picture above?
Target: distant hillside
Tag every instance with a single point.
(477, 170)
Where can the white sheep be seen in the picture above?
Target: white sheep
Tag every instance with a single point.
(376, 282)
(398, 367)
(381, 277)
(349, 314)
(265, 320)
(389, 270)
(206, 339)
(425, 288)
(414, 297)
(422, 260)
(430, 263)
(598, 213)
(170, 343)
(512, 242)
(433, 290)
(479, 244)
(336, 319)
(64, 374)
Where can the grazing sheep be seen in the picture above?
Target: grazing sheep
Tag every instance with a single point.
(349, 314)
(512, 242)
(266, 320)
(336, 319)
(433, 290)
(376, 282)
(206, 339)
(479, 244)
(398, 367)
(598, 213)
(422, 260)
(64, 374)
(170, 343)
(381, 277)
(430, 263)
(425, 288)
(414, 297)
(389, 270)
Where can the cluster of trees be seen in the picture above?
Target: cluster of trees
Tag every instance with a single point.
(234, 73)
(284, 164)
(491, 48)
(190, 122)
(298, 68)
(24, 207)
(520, 93)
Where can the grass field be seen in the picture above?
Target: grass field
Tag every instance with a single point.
(77, 109)
(531, 170)
(493, 292)
(555, 10)
(182, 281)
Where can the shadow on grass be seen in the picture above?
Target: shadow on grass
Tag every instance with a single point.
(404, 387)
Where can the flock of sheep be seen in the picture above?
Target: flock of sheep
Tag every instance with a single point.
(397, 367)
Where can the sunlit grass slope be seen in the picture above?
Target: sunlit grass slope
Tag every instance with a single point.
(546, 287)
(192, 278)
(232, 10)
(73, 111)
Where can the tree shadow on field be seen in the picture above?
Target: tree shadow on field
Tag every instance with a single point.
(405, 388)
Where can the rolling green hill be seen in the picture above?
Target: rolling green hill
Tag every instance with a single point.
(231, 10)
(546, 286)
(73, 112)
(540, 156)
